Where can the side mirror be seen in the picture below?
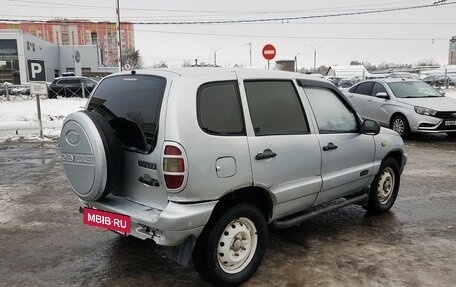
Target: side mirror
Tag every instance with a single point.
(442, 93)
(370, 127)
(382, 95)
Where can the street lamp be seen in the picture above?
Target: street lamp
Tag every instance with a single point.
(315, 56)
(296, 61)
(215, 55)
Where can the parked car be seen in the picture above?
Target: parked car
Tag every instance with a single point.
(71, 86)
(201, 160)
(403, 75)
(405, 106)
(440, 80)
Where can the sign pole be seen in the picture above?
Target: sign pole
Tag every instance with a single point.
(38, 107)
(37, 89)
(269, 53)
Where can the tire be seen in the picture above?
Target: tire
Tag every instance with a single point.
(239, 232)
(385, 187)
(400, 125)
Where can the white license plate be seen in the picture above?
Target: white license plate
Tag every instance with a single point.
(450, 123)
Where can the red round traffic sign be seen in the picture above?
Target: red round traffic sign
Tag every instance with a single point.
(269, 52)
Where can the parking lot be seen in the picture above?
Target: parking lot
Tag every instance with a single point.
(44, 243)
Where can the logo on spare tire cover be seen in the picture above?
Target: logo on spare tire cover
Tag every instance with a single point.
(72, 137)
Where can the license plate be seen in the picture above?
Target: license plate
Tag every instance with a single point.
(107, 220)
(450, 123)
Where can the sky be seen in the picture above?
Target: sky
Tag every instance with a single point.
(406, 36)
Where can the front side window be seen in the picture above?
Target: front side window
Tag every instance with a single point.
(219, 109)
(332, 115)
(378, 88)
(275, 108)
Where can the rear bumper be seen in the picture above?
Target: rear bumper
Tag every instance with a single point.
(168, 227)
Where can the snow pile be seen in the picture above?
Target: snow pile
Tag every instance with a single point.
(19, 119)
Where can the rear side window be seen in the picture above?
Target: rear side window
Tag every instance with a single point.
(365, 88)
(219, 109)
(275, 108)
(69, 82)
(132, 105)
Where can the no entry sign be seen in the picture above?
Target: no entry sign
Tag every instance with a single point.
(269, 52)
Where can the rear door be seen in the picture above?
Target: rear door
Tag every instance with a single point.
(359, 97)
(132, 106)
(285, 155)
(347, 154)
(375, 107)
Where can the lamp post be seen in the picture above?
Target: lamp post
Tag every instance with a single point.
(315, 56)
(296, 61)
(215, 55)
(119, 40)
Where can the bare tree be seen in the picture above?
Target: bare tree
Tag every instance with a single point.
(132, 58)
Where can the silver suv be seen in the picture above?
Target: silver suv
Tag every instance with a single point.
(405, 106)
(201, 160)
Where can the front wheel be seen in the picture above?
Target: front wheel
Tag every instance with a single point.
(384, 188)
(231, 247)
(400, 125)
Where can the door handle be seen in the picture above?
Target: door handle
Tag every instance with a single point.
(369, 100)
(267, 153)
(330, 146)
(149, 181)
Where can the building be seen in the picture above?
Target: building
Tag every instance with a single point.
(79, 32)
(348, 72)
(17, 48)
(452, 52)
(286, 65)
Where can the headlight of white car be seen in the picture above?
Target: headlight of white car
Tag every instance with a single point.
(425, 111)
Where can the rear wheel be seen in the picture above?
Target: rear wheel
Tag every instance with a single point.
(385, 187)
(400, 125)
(231, 247)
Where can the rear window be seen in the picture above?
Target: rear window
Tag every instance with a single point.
(132, 105)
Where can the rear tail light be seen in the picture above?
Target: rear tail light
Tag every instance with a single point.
(174, 167)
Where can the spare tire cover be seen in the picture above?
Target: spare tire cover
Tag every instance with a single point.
(90, 155)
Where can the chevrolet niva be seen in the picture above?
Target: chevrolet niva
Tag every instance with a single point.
(201, 160)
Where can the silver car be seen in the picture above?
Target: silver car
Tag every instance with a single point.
(405, 106)
(201, 160)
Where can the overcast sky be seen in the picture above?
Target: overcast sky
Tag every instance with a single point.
(401, 36)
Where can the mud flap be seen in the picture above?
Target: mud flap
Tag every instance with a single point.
(182, 254)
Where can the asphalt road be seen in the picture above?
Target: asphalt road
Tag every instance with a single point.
(44, 243)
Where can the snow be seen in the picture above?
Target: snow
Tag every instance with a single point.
(19, 120)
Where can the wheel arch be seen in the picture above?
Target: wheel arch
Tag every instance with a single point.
(254, 195)
(396, 155)
(395, 115)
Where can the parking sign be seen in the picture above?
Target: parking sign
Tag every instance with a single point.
(36, 70)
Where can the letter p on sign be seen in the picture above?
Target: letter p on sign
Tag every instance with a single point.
(36, 70)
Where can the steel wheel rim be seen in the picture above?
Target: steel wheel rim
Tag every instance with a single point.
(386, 185)
(237, 245)
(399, 126)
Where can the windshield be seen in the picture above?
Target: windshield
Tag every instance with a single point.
(413, 90)
(131, 103)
